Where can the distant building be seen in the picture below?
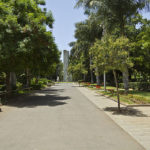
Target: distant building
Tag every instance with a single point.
(66, 64)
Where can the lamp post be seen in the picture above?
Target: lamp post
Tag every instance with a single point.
(104, 81)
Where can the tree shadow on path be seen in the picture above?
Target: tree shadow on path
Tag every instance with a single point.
(47, 97)
(125, 111)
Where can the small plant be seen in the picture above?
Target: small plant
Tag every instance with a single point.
(88, 83)
(80, 81)
(98, 86)
(111, 91)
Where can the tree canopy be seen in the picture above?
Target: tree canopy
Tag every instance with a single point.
(25, 41)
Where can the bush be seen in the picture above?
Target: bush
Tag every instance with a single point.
(145, 86)
(138, 99)
(80, 81)
(3, 88)
(22, 79)
(41, 83)
(19, 85)
(36, 86)
(49, 81)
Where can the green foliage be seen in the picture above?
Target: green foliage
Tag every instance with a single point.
(86, 33)
(25, 43)
(41, 83)
(128, 99)
(111, 53)
(141, 50)
(77, 69)
(145, 86)
(113, 13)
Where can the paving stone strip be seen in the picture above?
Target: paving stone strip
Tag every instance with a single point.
(134, 120)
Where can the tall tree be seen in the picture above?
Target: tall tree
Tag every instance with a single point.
(114, 13)
(26, 44)
(86, 34)
(112, 54)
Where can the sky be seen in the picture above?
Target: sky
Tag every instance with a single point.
(66, 16)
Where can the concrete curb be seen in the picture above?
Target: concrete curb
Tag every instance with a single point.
(135, 125)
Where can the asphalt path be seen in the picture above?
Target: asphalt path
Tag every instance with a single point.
(60, 118)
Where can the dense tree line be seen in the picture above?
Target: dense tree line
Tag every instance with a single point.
(26, 47)
(114, 39)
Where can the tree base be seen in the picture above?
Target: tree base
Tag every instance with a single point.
(119, 110)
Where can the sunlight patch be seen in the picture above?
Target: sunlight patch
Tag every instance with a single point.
(39, 94)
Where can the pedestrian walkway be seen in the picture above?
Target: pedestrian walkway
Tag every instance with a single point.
(134, 120)
(60, 118)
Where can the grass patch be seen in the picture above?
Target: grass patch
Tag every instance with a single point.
(141, 93)
(134, 97)
(123, 98)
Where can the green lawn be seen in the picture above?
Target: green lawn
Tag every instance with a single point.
(134, 97)
(123, 99)
(141, 93)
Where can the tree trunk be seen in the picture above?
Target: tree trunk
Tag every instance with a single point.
(92, 77)
(104, 81)
(118, 96)
(126, 79)
(13, 80)
(97, 77)
(27, 78)
(125, 71)
(8, 83)
(37, 80)
(92, 80)
(84, 77)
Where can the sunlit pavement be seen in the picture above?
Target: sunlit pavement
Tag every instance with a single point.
(134, 120)
(60, 118)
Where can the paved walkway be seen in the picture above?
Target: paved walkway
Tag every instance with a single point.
(60, 118)
(134, 120)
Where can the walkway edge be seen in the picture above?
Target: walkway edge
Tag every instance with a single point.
(125, 122)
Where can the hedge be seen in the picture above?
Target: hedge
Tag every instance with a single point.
(144, 86)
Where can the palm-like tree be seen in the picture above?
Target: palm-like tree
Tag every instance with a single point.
(114, 13)
(86, 33)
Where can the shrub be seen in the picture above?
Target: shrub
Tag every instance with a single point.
(49, 81)
(80, 81)
(98, 86)
(41, 83)
(139, 99)
(36, 86)
(3, 88)
(19, 85)
(145, 86)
